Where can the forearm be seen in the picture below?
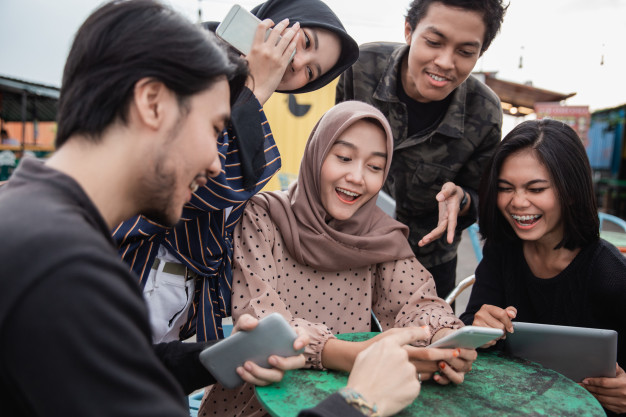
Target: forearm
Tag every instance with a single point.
(340, 354)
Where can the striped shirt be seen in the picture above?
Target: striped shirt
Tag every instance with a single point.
(202, 240)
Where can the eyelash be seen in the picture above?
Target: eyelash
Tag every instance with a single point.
(435, 44)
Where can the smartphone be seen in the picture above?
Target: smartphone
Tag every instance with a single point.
(238, 29)
(468, 337)
(272, 336)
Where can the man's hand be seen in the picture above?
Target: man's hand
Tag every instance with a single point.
(382, 373)
(449, 199)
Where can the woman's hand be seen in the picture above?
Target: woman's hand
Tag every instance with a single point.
(610, 392)
(495, 317)
(268, 58)
(382, 373)
(442, 365)
(257, 375)
(449, 199)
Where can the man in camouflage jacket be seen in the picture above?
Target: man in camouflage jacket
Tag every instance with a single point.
(446, 123)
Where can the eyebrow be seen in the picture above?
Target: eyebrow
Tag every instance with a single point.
(353, 146)
(434, 30)
(532, 182)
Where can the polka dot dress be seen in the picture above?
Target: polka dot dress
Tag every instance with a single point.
(267, 279)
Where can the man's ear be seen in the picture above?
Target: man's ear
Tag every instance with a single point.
(150, 101)
(408, 32)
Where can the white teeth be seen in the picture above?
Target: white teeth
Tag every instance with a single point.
(350, 193)
(525, 218)
(193, 187)
(436, 77)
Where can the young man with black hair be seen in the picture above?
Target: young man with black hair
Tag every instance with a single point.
(446, 123)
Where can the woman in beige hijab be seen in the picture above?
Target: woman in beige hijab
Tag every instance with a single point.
(324, 256)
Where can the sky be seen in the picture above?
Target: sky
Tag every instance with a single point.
(566, 46)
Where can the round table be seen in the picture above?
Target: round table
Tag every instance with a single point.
(498, 385)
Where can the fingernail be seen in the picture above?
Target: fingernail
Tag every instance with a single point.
(272, 361)
(442, 365)
(585, 382)
(247, 366)
(436, 377)
(456, 353)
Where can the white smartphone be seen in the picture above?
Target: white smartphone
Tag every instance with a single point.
(468, 337)
(238, 29)
(272, 336)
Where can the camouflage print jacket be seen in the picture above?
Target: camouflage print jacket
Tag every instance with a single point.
(456, 150)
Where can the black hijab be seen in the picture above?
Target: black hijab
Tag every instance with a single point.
(310, 13)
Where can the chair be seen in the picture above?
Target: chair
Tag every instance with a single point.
(194, 403)
(473, 234)
(612, 219)
(386, 204)
(460, 287)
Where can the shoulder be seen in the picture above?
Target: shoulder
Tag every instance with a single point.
(480, 93)
(607, 258)
(374, 56)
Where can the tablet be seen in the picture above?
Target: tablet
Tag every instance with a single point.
(576, 352)
(468, 337)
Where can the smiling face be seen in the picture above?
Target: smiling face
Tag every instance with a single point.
(527, 198)
(317, 52)
(187, 155)
(444, 48)
(354, 169)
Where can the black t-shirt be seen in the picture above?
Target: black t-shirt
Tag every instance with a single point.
(423, 117)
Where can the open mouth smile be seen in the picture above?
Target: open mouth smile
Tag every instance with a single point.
(347, 196)
(526, 221)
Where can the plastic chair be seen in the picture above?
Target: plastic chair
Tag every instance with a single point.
(194, 403)
(460, 287)
(473, 234)
(613, 219)
(386, 203)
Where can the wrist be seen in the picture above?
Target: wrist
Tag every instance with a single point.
(464, 200)
(356, 400)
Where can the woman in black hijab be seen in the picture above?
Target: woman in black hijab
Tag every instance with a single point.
(312, 15)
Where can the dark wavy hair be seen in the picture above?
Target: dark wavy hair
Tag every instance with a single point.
(124, 41)
(561, 151)
(492, 11)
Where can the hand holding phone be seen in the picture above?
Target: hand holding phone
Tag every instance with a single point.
(268, 51)
(272, 336)
(468, 337)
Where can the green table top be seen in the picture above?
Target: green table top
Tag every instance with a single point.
(498, 385)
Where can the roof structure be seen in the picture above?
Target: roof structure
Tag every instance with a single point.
(519, 99)
(24, 101)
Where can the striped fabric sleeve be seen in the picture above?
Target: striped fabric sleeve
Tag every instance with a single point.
(139, 239)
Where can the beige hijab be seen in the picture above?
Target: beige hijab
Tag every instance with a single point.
(369, 237)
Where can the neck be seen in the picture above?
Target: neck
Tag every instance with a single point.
(545, 261)
(104, 170)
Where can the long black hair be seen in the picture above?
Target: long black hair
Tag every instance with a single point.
(561, 151)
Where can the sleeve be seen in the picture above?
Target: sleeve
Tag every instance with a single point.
(256, 280)
(91, 356)
(469, 176)
(333, 406)
(405, 295)
(488, 287)
(138, 240)
(183, 361)
(345, 87)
